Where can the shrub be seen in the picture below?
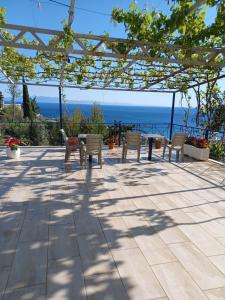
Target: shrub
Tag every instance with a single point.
(217, 151)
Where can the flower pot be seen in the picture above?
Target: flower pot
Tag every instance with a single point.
(110, 145)
(197, 153)
(13, 153)
(158, 144)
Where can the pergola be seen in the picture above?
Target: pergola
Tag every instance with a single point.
(119, 64)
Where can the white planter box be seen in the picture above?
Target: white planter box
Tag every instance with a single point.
(13, 153)
(197, 153)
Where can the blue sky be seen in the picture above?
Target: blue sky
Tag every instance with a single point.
(46, 14)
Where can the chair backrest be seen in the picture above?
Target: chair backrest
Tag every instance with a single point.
(179, 139)
(133, 138)
(93, 142)
(65, 137)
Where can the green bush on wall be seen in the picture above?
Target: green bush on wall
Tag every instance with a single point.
(217, 151)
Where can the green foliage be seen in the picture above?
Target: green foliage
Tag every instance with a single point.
(217, 151)
(27, 108)
(2, 15)
(34, 106)
(97, 120)
(38, 134)
(184, 26)
(7, 113)
(74, 123)
(218, 118)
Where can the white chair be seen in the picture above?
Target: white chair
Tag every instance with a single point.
(92, 147)
(132, 142)
(72, 144)
(177, 144)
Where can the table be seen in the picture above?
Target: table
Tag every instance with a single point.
(151, 137)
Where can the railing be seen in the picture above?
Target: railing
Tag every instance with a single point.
(47, 132)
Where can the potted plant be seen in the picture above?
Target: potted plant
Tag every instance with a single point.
(158, 144)
(197, 148)
(13, 149)
(110, 142)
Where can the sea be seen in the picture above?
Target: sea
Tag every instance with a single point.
(123, 113)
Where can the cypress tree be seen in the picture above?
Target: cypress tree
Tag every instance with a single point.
(27, 109)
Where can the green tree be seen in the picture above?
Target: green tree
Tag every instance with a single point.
(97, 121)
(77, 120)
(15, 92)
(27, 107)
(34, 106)
(218, 119)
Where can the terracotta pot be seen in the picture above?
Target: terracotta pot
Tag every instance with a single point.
(158, 144)
(110, 145)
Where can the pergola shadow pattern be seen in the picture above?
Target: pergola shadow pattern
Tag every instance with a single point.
(147, 230)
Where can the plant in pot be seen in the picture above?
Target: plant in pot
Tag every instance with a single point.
(13, 149)
(158, 144)
(197, 148)
(110, 142)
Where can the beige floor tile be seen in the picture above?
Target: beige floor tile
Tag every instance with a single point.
(222, 241)
(8, 242)
(62, 242)
(216, 294)
(4, 274)
(177, 283)
(34, 231)
(28, 293)
(198, 266)
(153, 248)
(61, 215)
(117, 234)
(105, 287)
(95, 254)
(137, 275)
(157, 197)
(172, 235)
(65, 280)
(219, 262)
(86, 222)
(29, 265)
(201, 238)
(212, 226)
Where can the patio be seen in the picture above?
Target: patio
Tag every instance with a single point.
(148, 230)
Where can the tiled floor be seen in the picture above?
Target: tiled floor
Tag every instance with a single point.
(148, 230)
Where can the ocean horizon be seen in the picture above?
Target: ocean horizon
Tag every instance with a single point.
(123, 113)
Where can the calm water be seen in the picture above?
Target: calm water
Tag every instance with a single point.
(126, 114)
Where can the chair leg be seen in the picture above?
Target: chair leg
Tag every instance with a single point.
(85, 160)
(164, 151)
(67, 155)
(138, 155)
(182, 154)
(100, 159)
(177, 155)
(170, 153)
(125, 153)
(123, 150)
(81, 158)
